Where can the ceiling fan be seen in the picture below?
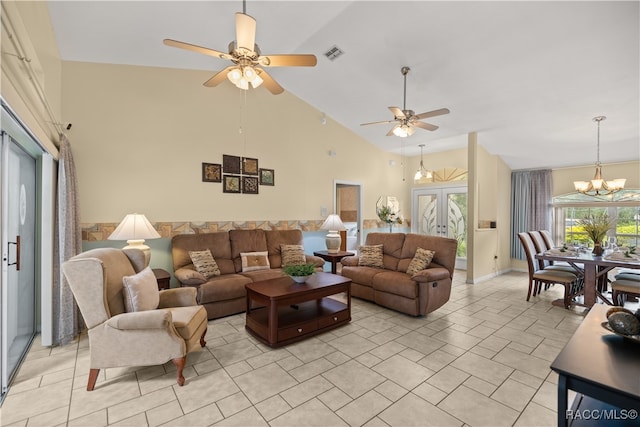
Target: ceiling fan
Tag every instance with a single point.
(407, 120)
(247, 58)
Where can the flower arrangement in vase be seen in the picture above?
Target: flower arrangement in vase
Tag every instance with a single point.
(388, 211)
(596, 226)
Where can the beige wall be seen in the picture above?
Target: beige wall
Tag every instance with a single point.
(140, 135)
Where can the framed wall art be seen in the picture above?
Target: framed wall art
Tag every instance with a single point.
(230, 164)
(267, 177)
(249, 166)
(211, 172)
(250, 184)
(231, 184)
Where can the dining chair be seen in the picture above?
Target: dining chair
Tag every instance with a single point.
(621, 289)
(573, 283)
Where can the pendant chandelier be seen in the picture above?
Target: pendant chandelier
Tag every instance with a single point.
(598, 186)
(422, 174)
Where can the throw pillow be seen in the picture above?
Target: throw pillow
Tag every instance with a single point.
(254, 261)
(204, 263)
(371, 256)
(140, 291)
(420, 261)
(292, 255)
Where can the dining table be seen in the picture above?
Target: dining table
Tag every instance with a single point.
(594, 269)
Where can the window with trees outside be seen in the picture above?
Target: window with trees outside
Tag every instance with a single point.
(623, 209)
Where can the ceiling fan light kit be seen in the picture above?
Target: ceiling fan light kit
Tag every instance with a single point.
(598, 186)
(247, 59)
(407, 120)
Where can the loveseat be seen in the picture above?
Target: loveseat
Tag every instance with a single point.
(224, 294)
(389, 284)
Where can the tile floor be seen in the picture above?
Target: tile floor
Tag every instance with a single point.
(482, 359)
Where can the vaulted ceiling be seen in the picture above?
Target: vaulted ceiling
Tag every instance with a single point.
(527, 76)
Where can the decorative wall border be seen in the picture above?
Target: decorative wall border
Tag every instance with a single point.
(95, 232)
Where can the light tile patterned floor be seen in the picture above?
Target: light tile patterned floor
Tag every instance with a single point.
(482, 359)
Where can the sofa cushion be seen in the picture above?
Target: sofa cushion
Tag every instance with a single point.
(254, 261)
(395, 282)
(246, 241)
(140, 291)
(189, 276)
(218, 243)
(371, 256)
(420, 261)
(222, 288)
(275, 240)
(292, 255)
(392, 247)
(361, 275)
(204, 263)
(444, 247)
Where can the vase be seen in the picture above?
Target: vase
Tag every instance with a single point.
(390, 228)
(597, 249)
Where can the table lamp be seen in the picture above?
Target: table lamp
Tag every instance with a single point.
(333, 224)
(134, 228)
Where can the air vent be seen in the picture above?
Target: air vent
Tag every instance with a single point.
(333, 53)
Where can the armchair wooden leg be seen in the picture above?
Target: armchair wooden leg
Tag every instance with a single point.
(180, 362)
(202, 341)
(93, 376)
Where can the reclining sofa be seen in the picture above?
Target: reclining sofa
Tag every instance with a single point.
(224, 294)
(390, 286)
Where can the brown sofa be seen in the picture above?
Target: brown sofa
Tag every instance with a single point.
(225, 294)
(391, 287)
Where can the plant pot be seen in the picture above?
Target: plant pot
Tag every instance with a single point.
(300, 279)
(597, 249)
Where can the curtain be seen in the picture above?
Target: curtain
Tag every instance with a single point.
(67, 320)
(531, 196)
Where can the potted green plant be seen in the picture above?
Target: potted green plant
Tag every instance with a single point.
(596, 226)
(299, 273)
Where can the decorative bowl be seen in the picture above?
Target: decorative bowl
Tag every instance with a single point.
(300, 279)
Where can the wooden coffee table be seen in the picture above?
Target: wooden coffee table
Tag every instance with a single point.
(280, 311)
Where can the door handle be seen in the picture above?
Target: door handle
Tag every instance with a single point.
(17, 243)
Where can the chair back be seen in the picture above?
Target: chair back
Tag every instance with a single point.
(540, 246)
(529, 250)
(546, 235)
(95, 278)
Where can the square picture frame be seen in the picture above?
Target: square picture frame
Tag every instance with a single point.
(231, 184)
(250, 184)
(211, 172)
(249, 166)
(267, 176)
(230, 164)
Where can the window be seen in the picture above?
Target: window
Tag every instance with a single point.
(623, 209)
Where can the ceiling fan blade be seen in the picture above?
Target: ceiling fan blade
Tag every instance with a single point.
(427, 126)
(293, 60)
(245, 31)
(377, 123)
(397, 112)
(269, 83)
(218, 77)
(195, 48)
(433, 113)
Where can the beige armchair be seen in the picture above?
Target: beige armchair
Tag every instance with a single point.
(118, 338)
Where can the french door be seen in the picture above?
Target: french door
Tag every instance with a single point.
(18, 235)
(442, 212)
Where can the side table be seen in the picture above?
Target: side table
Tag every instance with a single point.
(333, 257)
(162, 277)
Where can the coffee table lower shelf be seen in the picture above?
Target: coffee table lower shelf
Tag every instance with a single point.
(298, 321)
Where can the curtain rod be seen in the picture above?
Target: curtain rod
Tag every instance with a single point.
(22, 56)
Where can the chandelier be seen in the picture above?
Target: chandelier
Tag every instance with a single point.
(422, 173)
(598, 186)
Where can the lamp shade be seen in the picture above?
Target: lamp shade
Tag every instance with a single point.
(134, 227)
(333, 223)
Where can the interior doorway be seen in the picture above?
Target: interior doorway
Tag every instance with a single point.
(347, 203)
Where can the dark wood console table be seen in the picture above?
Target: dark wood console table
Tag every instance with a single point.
(333, 257)
(599, 364)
